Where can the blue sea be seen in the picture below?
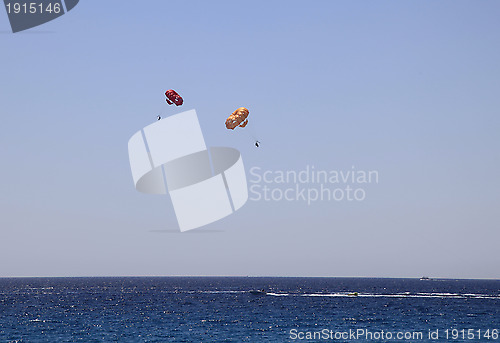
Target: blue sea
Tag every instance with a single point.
(248, 309)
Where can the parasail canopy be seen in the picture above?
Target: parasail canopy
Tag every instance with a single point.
(238, 118)
(173, 98)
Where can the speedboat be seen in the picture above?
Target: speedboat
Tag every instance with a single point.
(257, 292)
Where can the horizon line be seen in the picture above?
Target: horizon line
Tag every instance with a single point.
(249, 276)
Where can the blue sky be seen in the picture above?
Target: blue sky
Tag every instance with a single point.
(409, 89)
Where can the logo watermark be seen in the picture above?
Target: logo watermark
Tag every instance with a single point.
(310, 185)
(25, 14)
(366, 335)
(205, 184)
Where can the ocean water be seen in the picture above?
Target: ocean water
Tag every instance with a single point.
(232, 309)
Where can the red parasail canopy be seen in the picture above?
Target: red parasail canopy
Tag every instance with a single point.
(173, 98)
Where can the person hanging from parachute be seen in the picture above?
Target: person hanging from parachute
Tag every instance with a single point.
(172, 97)
(239, 118)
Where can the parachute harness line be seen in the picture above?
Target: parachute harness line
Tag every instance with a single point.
(171, 155)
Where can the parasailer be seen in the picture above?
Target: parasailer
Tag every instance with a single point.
(173, 98)
(238, 118)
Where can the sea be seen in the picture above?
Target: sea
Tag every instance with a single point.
(248, 309)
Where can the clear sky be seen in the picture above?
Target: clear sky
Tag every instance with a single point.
(409, 89)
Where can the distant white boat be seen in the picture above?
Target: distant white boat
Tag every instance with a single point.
(425, 278)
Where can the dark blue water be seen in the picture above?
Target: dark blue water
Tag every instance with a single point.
(210, 309)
